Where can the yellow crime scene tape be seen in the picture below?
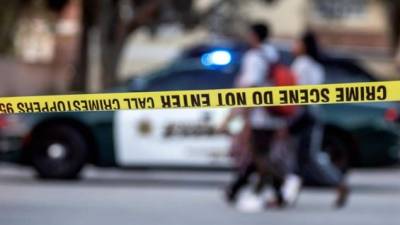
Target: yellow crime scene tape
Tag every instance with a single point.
(236, 97)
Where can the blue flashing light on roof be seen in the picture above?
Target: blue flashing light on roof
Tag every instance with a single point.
(216, 58)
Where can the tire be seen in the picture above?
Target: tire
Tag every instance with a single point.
(58, 152)
(338, 150)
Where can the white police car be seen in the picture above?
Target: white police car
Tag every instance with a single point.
(59, 145)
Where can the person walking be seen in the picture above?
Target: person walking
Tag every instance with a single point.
(308, 127)
(261, 126)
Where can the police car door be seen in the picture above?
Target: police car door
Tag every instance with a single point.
(182, 137)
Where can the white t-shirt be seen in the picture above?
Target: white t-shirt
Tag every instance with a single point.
(254, 68)
(308, 71)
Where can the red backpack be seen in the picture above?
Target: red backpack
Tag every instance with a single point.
(281, 75)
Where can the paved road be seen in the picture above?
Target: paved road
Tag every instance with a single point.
(141, 198)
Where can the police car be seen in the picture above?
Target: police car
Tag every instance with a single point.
(59, 145)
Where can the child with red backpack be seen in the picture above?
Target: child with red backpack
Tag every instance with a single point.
(267, 136)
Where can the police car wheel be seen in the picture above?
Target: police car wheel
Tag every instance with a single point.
(338, 151)
(58, 152)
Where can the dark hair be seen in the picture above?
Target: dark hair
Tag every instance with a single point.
(56, 5)
(261, 30)
(311, 45)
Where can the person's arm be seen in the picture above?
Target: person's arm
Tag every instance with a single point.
(235, 112)
(252, 74)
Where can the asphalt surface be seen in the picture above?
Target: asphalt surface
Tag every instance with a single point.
(149, 197)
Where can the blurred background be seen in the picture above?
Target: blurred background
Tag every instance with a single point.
(179, 164)
(94, 44)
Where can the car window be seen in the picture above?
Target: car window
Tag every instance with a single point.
(345, 73)
(286, 57)
(192, 80)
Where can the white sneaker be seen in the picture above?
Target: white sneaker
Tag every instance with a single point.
(291, 189)
(250, 203)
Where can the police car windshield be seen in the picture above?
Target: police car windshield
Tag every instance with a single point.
(189, 72)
